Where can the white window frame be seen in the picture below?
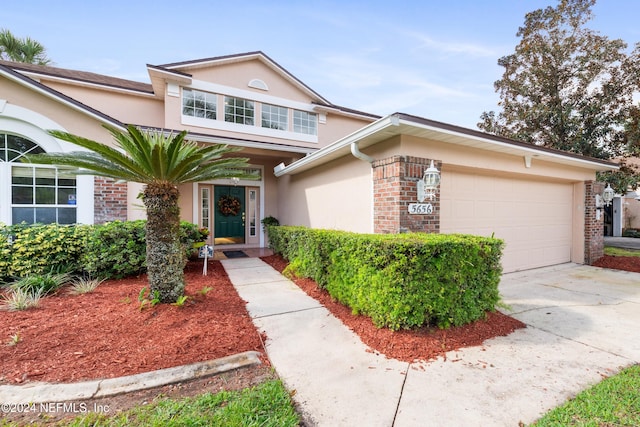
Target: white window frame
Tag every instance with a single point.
(32, 125)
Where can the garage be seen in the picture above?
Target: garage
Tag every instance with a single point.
(534, 218)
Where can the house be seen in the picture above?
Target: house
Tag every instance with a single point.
(320, 165)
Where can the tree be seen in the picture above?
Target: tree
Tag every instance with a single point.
(566, 86)
(25, 50)
(161, 162)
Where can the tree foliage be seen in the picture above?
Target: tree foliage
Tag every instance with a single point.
(162, 162)
(24, 49)
(567, 86)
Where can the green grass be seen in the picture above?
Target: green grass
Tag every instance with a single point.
(610, 250)
(267, 404)
(614, 401)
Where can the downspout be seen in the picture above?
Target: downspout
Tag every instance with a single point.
(359, 154)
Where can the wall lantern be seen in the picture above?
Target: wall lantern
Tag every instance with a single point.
(604, 200)
(428, 185)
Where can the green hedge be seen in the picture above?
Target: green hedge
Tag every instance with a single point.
(400, 280)
(113, 250)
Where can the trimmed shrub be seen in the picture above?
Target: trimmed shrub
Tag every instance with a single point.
(113, 250)
(402, 280)
(41, 249)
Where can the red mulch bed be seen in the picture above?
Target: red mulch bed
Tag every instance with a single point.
(104, 334)
(407, 345)
(627, 263)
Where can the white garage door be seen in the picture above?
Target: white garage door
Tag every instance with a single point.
(534, 218)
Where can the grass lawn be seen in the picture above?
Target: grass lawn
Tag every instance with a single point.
(610, 250)
(267, 404)
(614, 401)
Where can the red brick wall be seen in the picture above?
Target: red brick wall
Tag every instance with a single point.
(110, 200)
(593, 228)
(395, 186)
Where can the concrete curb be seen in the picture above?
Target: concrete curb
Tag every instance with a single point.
(46, 392)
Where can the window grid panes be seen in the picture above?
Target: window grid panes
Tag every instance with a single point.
(304, 122)
(13, 147)
(42, 195)
(275, 117)
(238, 110)
(196, 103)
(205, 196)
(253, 213)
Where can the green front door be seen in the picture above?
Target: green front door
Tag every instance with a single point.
(229, 214)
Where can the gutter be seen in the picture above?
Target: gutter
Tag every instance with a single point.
(350, 140)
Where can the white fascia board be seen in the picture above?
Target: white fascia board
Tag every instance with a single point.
(250, 144)
(63, 101)
(345, 142)
(528, 150)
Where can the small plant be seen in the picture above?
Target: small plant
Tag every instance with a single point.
(21, 299)
(180, 301)
(204, 291)
(44, 283)
(269, 221)
(84, 286)
(14, 339)
(148, 300)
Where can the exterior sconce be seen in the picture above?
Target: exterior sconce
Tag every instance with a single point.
(235, 180)
(604, 200)
(428, 185)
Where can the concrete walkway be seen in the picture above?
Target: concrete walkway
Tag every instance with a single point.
(582, 326)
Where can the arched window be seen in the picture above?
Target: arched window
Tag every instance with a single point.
(39, 194)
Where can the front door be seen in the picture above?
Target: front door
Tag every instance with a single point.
(229, 217)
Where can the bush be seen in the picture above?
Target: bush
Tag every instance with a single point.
(400, 281)
(40, 249)
(113, 250)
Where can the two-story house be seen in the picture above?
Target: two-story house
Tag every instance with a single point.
(320, 165)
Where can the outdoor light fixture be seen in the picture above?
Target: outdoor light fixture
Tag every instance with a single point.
(607, 195)
(428, 185)
(604, 200)
(235, 180)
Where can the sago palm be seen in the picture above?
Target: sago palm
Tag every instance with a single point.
(161, 162)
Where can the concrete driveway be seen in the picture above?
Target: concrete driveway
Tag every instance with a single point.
(583, 324)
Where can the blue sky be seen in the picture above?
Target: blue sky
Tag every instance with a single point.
(431, 58)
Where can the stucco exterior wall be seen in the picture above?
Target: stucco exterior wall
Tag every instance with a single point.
(337, 196)
(131, 108)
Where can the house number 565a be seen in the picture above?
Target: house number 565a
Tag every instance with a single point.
(420, 208)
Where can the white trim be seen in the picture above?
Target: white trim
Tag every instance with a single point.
(251, 95)
(247, 129)
(61, 100)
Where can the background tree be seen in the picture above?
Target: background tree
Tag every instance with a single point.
(22, 50)
(161, 162)
(566, 86)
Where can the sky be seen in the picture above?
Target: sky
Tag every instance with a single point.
(430, 58)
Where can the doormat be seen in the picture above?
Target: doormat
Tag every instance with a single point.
(234, 254)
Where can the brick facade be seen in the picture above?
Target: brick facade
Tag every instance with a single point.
(593, 228)
(394, 187)
(110, 200)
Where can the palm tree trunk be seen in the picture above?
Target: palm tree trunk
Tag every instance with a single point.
(165, 257)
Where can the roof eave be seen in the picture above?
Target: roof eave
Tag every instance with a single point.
(398, 124)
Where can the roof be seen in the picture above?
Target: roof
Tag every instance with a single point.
(45, 90)
(405, 124)
(39, 71)
(178, 71)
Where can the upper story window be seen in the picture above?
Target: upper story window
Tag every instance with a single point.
(304, 122)
(238, 110)
(196, 103)
(274, 117)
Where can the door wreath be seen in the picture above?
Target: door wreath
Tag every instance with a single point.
(229, 205)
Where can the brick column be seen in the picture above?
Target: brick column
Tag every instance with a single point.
(593, 228)
(110, 200)
(394, 187)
